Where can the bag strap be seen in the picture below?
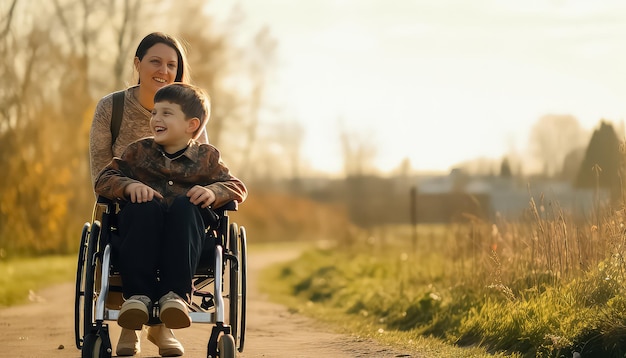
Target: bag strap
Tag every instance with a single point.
(116, 114)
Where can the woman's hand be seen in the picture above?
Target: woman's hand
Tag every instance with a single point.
(199, 195)
(141, 193)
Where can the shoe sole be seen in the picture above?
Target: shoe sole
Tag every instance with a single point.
(174, 315)
(170, 352)
(133, 315)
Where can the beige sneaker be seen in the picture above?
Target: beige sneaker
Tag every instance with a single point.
(134, 312)
(164, 338)
(173, 312)
(129, 343)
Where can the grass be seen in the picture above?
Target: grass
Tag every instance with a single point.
(546, 286)
(21, 275)
(353, 293)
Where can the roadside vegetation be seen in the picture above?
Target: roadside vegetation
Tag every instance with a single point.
(545, 286)
(20, 278)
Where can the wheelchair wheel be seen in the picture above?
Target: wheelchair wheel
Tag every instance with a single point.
(226, 346)
(243, 270)
(238, 284)
(89, 284)
(79, 298)
(234, 280)
(96, 346)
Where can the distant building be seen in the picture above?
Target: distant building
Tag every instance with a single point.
(511, 198)
(372, 200)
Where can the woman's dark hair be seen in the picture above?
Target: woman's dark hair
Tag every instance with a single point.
(159, 37)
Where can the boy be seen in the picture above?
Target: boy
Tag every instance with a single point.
(164, 184)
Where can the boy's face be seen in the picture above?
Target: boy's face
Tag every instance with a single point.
(170, 127)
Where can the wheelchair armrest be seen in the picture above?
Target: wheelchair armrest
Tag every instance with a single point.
(229, 206)
(216, 213)
(105, 205)
(103, 200)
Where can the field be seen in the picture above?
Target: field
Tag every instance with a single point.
(544, 286)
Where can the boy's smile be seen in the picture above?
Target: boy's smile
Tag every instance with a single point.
(170, 127)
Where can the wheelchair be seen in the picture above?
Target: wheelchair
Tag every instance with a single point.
(98, 295)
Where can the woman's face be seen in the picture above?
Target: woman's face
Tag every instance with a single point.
(158, 67)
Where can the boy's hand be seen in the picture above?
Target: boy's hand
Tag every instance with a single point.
(201, 195)
(141, 193)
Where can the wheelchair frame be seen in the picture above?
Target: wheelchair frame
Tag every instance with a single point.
(94, 263)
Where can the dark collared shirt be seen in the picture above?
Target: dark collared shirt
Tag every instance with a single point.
(145, 161)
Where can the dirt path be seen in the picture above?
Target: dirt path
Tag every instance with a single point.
(45, 328)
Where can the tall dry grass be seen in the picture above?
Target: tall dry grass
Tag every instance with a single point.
(545, 285)
(546, 246)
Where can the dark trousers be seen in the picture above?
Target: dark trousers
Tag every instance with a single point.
(159, 238)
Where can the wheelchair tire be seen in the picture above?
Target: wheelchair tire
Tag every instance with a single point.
(89, 344)
(90, 272)
(79, 298)
(95, 347)
(234, 280)
(243, 270)
(226, 346)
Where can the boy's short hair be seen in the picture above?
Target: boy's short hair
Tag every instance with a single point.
(193, 101)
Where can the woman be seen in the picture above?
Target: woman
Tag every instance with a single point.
(159, 60)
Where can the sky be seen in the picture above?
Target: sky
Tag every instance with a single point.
(440, 82)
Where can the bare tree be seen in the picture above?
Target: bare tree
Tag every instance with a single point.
(552, 138)
(46, 110)
(289, 135)
(359, 152)
(127, 32)
(264, 46)
(5, 22)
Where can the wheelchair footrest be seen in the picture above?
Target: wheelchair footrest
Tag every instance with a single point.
(207, 299)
